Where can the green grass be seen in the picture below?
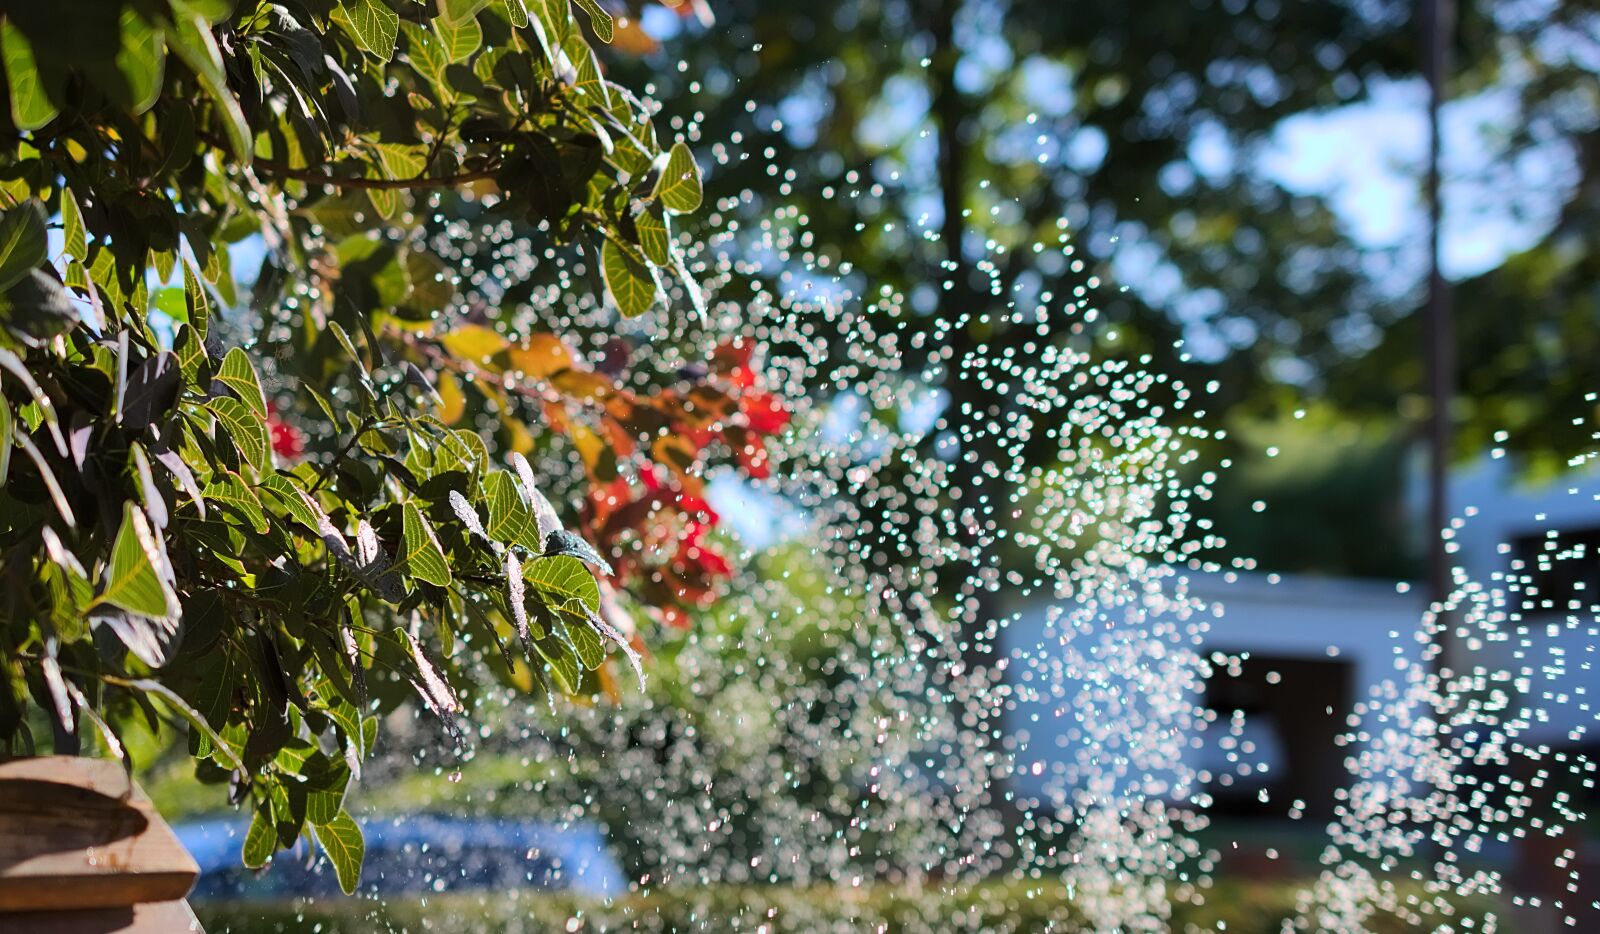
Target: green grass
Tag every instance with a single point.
(1235, 906)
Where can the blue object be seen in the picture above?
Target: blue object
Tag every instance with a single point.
(415, 854)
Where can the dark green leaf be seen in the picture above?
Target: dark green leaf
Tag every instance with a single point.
(189, 36)
(562, 542)
(181, 706)
(22, 242)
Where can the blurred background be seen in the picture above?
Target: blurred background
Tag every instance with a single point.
(1246, 184)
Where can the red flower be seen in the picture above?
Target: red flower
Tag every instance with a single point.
(753, 458)
(763, 412)
(287, 440)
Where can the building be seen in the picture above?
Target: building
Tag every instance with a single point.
(1295, 654)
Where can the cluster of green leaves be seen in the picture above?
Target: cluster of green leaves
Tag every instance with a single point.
(241, 510)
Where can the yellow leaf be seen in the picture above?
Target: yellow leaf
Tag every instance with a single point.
(521, 438)
(454, 400)
(542, 355)
(474, 342)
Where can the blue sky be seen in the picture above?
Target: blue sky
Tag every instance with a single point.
(1366, 160)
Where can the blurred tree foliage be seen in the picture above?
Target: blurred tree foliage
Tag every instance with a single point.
(931, 143)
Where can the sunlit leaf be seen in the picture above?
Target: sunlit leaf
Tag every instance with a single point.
(562, 578)
(134, 579)
(246, 427)
(424, 557)
(229, 489)
(474, 342)
(373, 24)
(458, 41)
(31, 108)
(599, 19)
(189, 37)
(632, 284)
(341, 839)
(678, 188)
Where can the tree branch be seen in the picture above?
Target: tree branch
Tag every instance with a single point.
(316, 177)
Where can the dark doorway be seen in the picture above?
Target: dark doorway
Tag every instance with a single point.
(1293, 711)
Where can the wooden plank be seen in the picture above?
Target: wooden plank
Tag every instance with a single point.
(149, 918)
(76, 833)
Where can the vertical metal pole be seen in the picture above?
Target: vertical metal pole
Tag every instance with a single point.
(1439, 331)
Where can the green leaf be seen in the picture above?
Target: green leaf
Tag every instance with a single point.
(456, 12)
(400, 162)
(562, 579)
(516, 12)
(30, 107)
(562, 658)
(229, 489)
(678, 188)
(22, 242)
(424, 558)
(142, 60)
(653, 235)
(135, 581)
(189, 36)
(599, 20)
(5, 440)
(373, 24)
(197, 301)
(239, 375)
(458, 41)
(259, 841)
(293, 500)
(632, 283)
(74, 234)
(245, 427)
(586, 643)
(341, 839)
(329, 780)
(509, 518)
(221, 676)
(191, 353)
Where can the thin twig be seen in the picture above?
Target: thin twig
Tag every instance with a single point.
(318, 177)
(315, 177)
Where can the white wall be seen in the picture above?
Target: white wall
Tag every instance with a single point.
(1363, 623)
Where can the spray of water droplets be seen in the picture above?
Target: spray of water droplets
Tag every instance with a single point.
(852, 711)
